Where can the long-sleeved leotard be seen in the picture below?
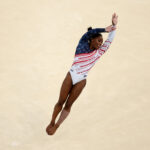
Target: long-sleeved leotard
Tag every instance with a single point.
(85, 58)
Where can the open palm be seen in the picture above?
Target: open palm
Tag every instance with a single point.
(114, 19)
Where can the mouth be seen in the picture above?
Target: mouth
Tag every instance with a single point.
(97, 46)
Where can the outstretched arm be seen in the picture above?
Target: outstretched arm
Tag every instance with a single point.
(88, 34)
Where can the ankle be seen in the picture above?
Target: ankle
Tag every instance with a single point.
(52, 123)
(57, 125)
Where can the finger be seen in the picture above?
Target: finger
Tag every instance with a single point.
(114, 14)
(113, 28)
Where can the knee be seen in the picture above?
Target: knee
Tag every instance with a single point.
(60, 103)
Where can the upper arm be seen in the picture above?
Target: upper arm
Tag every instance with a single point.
(88, 34)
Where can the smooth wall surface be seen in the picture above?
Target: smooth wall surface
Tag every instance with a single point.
(38, 39)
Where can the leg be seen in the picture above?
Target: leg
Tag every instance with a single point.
(65, 89)
(75, 92)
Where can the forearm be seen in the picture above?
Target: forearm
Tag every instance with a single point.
(88, 34)
(111, 35)
(108, 42)
(96, 30)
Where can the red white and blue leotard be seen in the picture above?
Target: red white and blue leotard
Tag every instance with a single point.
(85, 58)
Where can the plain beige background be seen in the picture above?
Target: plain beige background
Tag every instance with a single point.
(38, 39)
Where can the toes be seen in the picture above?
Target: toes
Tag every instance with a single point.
(48, 128)
(52, 130)
(49, 132)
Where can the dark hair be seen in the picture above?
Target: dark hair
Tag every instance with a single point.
(89, 28)
(94, 35)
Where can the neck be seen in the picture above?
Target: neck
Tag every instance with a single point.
(91, 47)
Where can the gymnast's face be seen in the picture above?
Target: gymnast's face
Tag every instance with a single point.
(96, 42)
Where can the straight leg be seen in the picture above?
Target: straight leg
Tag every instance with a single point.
(64, 92)
(74, 94)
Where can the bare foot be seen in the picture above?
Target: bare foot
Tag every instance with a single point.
(49, 127)
(53, 129)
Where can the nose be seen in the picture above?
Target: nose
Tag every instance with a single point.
(100, 43)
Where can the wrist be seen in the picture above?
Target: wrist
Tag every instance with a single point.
(106, 30)
(114, 25)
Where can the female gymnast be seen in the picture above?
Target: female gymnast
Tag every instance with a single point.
(88, 51)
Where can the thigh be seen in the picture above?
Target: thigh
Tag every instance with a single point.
(65, 88)
(75, 92)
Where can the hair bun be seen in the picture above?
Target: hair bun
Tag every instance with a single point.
(90, 28)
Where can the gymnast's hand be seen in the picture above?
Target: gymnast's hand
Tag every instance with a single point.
(114, 19)
(114, 23)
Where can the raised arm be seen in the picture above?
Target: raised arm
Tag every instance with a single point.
(88, 34)
(111, 36)
(107, 43)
